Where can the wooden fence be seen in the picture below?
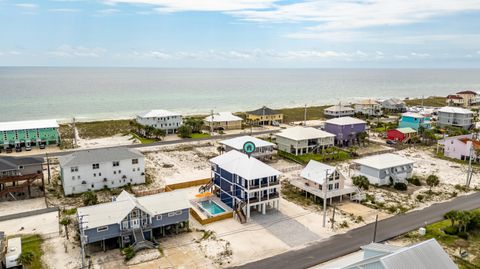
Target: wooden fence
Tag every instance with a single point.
(187, 184)
(219, 217)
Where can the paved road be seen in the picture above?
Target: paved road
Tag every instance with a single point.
(351, 241)
(29, 213)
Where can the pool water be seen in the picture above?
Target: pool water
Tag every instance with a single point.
(212, 207)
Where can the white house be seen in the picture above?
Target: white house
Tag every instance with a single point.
(161, 119)
(301, 140)
(459, 147)
(384, 169)
(223, 121)
(98, 168)
(339, 110)
(263, 149)
(316, 176)
(455, 116)
(368, 107)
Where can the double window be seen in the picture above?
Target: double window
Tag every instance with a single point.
(134, 161)
(95, 166)
(74, 169)
(116, 163)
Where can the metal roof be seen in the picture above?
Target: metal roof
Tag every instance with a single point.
(264, 111)
(406, 130)
(240, 164)
(456, 110)
(316, 171)
(238, 142)
(12, 163)
(222, 116)
(382, 161)
(156, 113)
(298, 133)
(99, 156)
(339, 108)
(345, 121)
(114, 212)
(26, 125)
(378, 247)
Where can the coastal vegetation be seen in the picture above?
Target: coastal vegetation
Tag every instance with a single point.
(298, 113)
(32, 252)
(435, 101)
(99, 129)
(328, 155)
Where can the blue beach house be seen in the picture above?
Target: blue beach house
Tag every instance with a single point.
(245, 184)
(414, 121)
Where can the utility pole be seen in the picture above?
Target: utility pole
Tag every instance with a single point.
(82, 240)
(48, 167)
(470, 170)
(211, 122)
(375, 229)
(333, 217)
(325, 199)
(305, 116)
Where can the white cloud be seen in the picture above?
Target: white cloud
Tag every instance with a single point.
(64, 10)
(77, 51)
(26, 5)
(108, 11)
(10, 53)
(201, 5)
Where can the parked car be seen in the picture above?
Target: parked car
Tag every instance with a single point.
(9, 150)
(42, 146)
(391, 142)
(28, 148)
(18, 149)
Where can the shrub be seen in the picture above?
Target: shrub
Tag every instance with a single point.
(432, 181)
(90, 198)
(415, 181)
(451, 230)
(184, 131)
(420, 197)
(361, 182)
(128, 253)
(400, 186)
(343, 224)
(463, 235)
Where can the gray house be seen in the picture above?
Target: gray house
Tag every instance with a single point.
(17, 174)
(384, 169)
(455, 116)
(394, 105)
(128, 220)
(345, 129)
(263, 149)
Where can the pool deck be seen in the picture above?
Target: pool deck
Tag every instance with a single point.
(206, 217)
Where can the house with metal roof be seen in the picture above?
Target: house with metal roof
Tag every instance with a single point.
(401, 134)
(368, 107)
(136, 221)
(223, 121)
(459, 147)
(301, 140)
(384, 169)
(345, 129)
(95, 169)
(18, 174)
(263, 149)
(426, 254)
(455, 116)
(323, 181)
(264, 116)
(245, 183)
(394, 105)
(414, 121)
(29, 133)
(161, 119)
(339, 110)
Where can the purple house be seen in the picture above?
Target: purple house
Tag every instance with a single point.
(345, 129)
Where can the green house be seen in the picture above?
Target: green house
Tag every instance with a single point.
(29, 133)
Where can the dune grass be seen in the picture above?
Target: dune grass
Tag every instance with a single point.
(33, 243)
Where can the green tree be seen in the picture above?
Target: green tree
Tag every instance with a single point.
(136, 127)
(361, 182)
(362, 137)
(90, 198)
(451, 215)
(158, 133)
(432, 181)
(25, 258)
(65, 222)
(463, 219)
(196, 124)
(148, 131)
(184, 131)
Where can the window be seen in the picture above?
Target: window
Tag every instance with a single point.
(125, 225)
(95, 166)
(99, 174)
(330, 187)
(74, 169)
(102, 229)
(159, 217)
(73, 177)
(179, 212)
(171, 214)
(115, 172)
(78, 177)
(337, 186)
(134, 161)
(94, 174)
(119, 171)
(116, 163)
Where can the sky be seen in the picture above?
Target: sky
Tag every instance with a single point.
(241, 33)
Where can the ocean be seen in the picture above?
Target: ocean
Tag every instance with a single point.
(29, 93)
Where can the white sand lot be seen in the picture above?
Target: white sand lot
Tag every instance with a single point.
(13, 207)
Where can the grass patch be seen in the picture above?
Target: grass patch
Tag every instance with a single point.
(98, 129)
(143, 140)
(436, 101)
(339, 155)
(297, 113)
(33, 243)
(71, 211)
(199, 135)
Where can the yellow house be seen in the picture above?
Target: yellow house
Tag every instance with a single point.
(264, 116)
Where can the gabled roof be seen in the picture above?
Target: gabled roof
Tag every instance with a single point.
(222, 116)
(382, 161)
(413, 115)
(264, 111)
(345, 121)
(11, 163)
(114, 212)
(25, 125)
(339, 108)
(238, 142)
(467, 92)
(454, 96)
(368, 102)
(99, 156)
(394, 101)
(156, 113)
(456, 110)
(299, 133)
(406, 130)
(316, 171)
(240, 164)
(378, 247)
(475, 143)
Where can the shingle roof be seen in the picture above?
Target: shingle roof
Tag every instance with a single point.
(99, 156)
(238, 142)
(368, 102)
(456, 110)
(25, 125)
(316, 171)
(454, 96)
(12, 163)
(303, 133)
(382, 161)
(222, 116)
(345, 121)
(157, 113)
(264, 111)
(240, 164)
(114, 212)
(467, 92)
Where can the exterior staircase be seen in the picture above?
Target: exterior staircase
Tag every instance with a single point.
(206, 187)
(140, 241)
(239, 212)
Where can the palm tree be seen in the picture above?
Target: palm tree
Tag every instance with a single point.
(452, 216)
(361, 182)
(25, 258)
(65, 222)
(158, 133)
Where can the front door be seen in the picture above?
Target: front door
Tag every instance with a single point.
(135, 223)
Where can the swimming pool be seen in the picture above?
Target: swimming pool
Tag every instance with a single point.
(212, 207)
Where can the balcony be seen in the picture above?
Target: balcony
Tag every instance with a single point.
(253, 187)
(273, 183)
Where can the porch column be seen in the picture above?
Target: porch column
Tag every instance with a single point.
(248, 211)
(259, 208)
(264, 208)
